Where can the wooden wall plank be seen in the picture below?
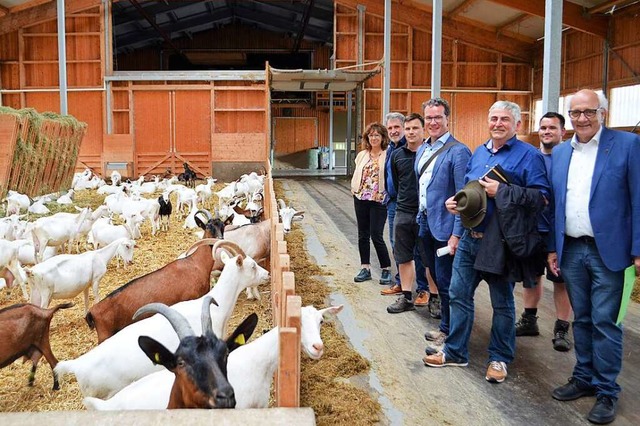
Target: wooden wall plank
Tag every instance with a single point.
(232, 147)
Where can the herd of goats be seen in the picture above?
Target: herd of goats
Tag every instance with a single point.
(162, 337)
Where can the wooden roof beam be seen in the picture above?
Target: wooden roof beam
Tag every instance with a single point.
(451, 28)
(515, 21)
(303, 25)
(573, 15)
(461, 8)
(45, 12)
(609, 6)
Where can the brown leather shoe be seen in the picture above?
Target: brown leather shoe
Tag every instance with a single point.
(422, 299)
(394, 289)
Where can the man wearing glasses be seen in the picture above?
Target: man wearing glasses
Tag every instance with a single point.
(441, 163)
(595, 179)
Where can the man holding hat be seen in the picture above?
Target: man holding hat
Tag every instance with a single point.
(525, 168)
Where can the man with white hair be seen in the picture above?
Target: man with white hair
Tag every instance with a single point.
(525, 168)
(596, 184)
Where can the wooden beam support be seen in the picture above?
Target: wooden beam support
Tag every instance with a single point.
(451, 28)
(515, 21)
(3, 10)
(303, 25)
(609, 6)
(46, 12)
(461, 8)
(573, 15)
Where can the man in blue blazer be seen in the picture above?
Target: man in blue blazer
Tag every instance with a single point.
(596, 184)
(440, 166)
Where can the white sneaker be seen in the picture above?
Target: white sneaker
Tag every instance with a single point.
(496, 372)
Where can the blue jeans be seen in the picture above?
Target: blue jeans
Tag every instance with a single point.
(464, 281)
(440, 268)
(595, 293)
(421, 278)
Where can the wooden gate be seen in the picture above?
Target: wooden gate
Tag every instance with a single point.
(172, 127)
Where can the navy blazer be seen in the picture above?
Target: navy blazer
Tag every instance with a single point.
(447, 179)
(614, 203)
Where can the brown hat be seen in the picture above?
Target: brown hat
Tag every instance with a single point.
(472, 204)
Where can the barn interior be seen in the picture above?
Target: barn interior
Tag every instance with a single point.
(161, 83)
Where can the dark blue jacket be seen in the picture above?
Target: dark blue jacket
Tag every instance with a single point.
(389, 184)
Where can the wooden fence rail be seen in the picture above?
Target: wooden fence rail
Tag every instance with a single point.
(286, 306)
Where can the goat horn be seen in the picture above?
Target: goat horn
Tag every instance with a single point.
(207, 327)
(209, 241)
(229, 246)
(205, 212)
(177, 321)
(281, 203)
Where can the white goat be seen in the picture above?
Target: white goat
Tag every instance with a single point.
(9, 227)
(190, 221)
(16, 202)
(288, 215)
(56, 230)
(204, 192)
(116, 178)
(255, 240)
(67, 275)
(104, 233)
(38, 207)
(9, 251)
(67, 198)
(186, 197)
(118, 361)
(250, 371)
(27, 256)
(149, 209)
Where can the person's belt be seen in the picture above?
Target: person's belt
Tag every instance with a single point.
(476, 235)
(583, 239)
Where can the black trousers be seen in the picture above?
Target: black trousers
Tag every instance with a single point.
(371, 217)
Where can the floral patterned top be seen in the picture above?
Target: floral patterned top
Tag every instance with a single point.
(369, 186)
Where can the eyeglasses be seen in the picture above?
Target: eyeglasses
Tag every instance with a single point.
(437, 119)
(589, 113)
(374, 135)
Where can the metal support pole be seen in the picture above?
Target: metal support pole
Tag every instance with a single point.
(62, 58)
(386, 78)
(349, 134)
(436, 49)
(552, 55)
(331, 162)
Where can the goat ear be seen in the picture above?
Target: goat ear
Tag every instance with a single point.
(331, 310)
(157, 353)
(243, 332)
(200, 223)
(229, 220)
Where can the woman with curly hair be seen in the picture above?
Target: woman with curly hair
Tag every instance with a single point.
(367, 186)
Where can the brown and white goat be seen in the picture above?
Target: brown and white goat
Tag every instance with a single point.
(199, 363)
(183, 279)
(24, 332)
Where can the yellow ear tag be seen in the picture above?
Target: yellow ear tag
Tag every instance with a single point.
(240, 339)
(157, 357)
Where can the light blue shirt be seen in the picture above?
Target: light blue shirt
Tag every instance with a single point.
(425, 178)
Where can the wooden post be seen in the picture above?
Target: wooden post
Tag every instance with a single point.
(288, 289)
(288, 383)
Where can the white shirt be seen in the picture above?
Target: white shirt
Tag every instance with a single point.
(425, 177)
(579, 178)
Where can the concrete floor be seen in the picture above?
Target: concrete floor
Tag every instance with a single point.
(413, 394)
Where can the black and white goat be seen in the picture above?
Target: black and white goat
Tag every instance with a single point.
(165, 210)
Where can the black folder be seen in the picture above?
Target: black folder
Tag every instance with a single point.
(497, 173)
